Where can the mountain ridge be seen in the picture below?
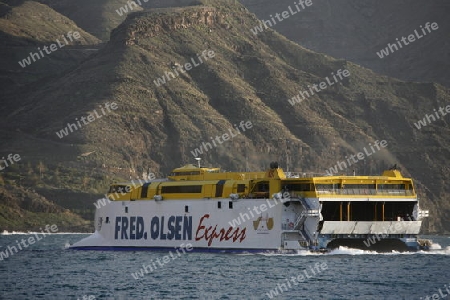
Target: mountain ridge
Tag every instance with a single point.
(249, 79)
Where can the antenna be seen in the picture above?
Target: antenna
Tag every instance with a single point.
(198, 160)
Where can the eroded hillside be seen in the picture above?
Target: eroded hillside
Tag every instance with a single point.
(249, 78)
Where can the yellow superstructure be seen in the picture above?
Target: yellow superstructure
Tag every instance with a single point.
(391, 184)
(190, 182)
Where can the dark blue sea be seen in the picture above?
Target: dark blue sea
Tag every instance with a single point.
(48, 270)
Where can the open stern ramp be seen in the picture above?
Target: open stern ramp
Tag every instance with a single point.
(402, 235)
(368, 228)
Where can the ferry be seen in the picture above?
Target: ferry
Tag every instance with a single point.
(210, 210)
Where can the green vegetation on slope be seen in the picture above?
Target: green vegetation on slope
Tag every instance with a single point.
(250, 78)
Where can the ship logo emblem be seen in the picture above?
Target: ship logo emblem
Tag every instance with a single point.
(263, 224)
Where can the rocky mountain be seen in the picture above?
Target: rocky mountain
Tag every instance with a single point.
(23, 209)
(170, 80)
(358, 30)
(28, 27)
(98, 17)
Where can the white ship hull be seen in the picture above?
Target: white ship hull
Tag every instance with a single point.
(166, 224)
(238, 225)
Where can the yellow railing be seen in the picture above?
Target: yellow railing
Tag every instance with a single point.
(366, 192)
(353, 192)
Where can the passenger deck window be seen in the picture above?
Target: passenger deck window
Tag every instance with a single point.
(241, 188)
(181, 189)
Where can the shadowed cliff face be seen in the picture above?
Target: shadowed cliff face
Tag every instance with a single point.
(351, 29)
(357, 30)
(182, 77)
(27, 27)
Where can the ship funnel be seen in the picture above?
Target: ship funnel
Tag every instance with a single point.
(275, 171)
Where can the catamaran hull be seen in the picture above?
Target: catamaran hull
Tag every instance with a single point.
(226, 225)
(201, 224)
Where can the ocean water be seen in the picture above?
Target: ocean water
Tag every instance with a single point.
(48, 270)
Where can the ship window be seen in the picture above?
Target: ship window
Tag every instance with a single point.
(181, 189)
(391, 186)
(230, 205)
(241, 188)
(262, 186)
(219, 205)
(186, 209)
(219, 188)
(367, 210)
(324, 187)
(107, 220)
(356, 189)
(185, 173)
(359, 186)
(145, 190)
(300, 187)
(126, 209)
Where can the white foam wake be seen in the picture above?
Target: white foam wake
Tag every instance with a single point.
(5, 232)
(434, 249)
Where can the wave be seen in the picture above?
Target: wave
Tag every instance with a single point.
(435, 246)
(435, 249)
